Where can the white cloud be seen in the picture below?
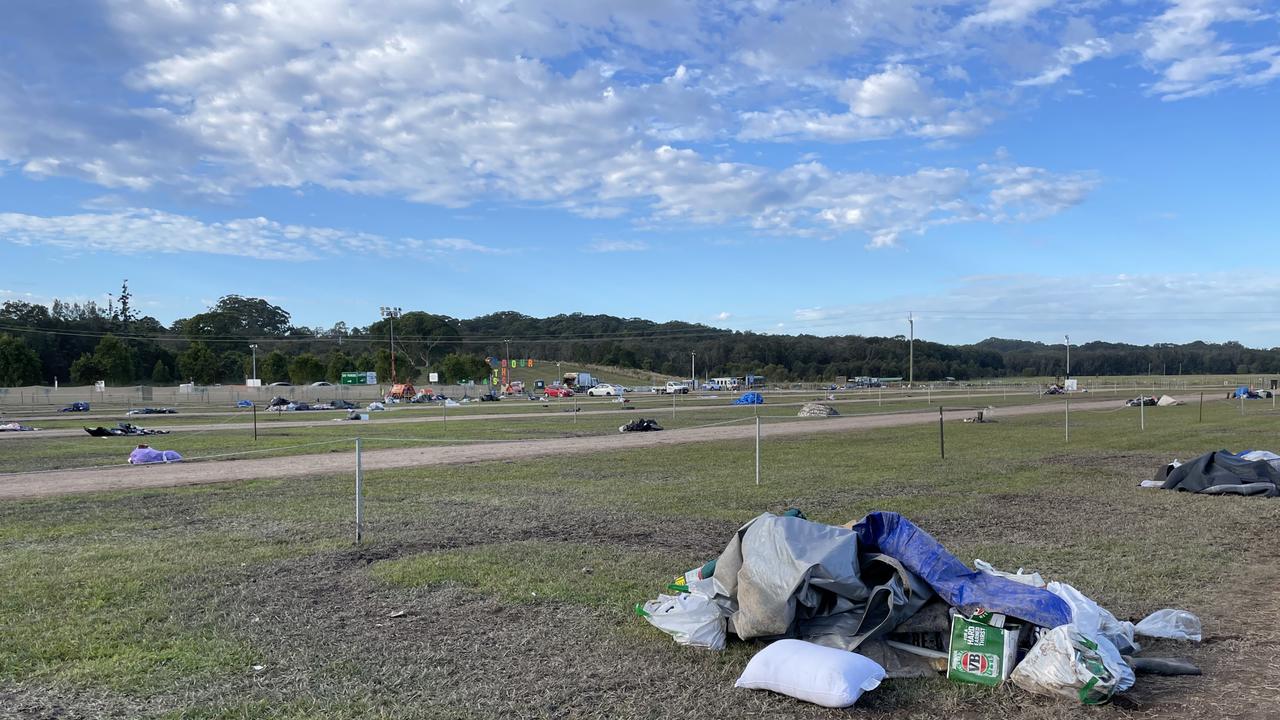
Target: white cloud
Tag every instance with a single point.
(1184, 45)
(612, 246)
(722, 316)
(1006, 12)
(898, 91)
(144, 231)
(1067, 58)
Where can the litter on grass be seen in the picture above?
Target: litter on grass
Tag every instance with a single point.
(882, 591)
(816, 410)
(146, 455)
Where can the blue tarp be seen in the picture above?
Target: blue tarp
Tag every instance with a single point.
(245, 403)
(960, 587)
(750, 398)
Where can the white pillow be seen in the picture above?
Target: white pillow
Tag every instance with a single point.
(805, 671)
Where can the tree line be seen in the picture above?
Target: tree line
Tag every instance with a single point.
(84, 342)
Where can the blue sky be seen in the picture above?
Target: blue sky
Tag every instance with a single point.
(1020, 168)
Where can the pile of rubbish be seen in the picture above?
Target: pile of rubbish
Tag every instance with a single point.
(1054, 390)
(750, 398)
(816, 410)
(845, 607)
(1146, 400)
(146, 455)
(16, 427)
(640, 425)
(152, 411)
(1251, 472)
(1248, 393)
(122, 429)
(983, 416)
(76, 407)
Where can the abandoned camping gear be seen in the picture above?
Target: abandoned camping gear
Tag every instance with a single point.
(1168, 401)
(16, 427)
(152, 411)
(76, 407)
(1221, 473)
(122, 429)
(750, 398)
(640, 425)
(816, 410)
(146, 455)
(886, 589)
(1146, 400)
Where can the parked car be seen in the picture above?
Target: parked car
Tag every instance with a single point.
(280, 384)
(644, 389)
(559, 391)
(605, 389)
(321, 383)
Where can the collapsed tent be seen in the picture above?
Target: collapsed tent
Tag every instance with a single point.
(122, 429)
(1168, 401)
(143, 455)
(76, 407)
(816, 410)
(16, 427)
(1222, 473)
(640, 425)
(1248, 393)
(1146, 400)
(152, 411)
(245, 404)
(750, 398)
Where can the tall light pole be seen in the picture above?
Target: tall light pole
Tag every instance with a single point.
(693, 370)
(1068, 337)
(506, 374)
(391, 313)
(254, 348)
(911, 351)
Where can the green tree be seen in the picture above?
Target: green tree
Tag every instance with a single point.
(336, 363)
(160, 374)
(417, 334)
(405, 371)
(305, 368)
(86, 370)
(456, 368)
(200, 364)
(231, 364)
(19, 364)
(274, 367)
(115, 360)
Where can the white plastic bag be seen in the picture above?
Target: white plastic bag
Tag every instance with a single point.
(813, 673)
(1026, 578)
(1092, 619)
(1171, 624)
(691, 619)
(1065, 663)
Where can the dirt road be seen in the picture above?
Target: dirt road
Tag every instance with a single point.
(27, 485)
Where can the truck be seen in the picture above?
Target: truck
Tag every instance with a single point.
(673, 387)
(580, 380)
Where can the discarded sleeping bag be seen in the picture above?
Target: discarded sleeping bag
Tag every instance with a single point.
(841, 586)
(76, 407)
(640, 425)
(750, 398)
(143, 455)
(1221, 473)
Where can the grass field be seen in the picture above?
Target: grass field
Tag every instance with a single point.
(504, 589)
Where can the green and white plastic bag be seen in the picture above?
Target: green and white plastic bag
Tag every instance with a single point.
(690, 618)
(1068, 664)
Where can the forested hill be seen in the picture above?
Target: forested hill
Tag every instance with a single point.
(84, 342)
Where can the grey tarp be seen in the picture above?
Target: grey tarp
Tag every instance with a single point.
(1221, 473)
(788, 577)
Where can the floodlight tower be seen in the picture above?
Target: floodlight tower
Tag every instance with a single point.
(1068, 337)
(391, 313)
(254, 348)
